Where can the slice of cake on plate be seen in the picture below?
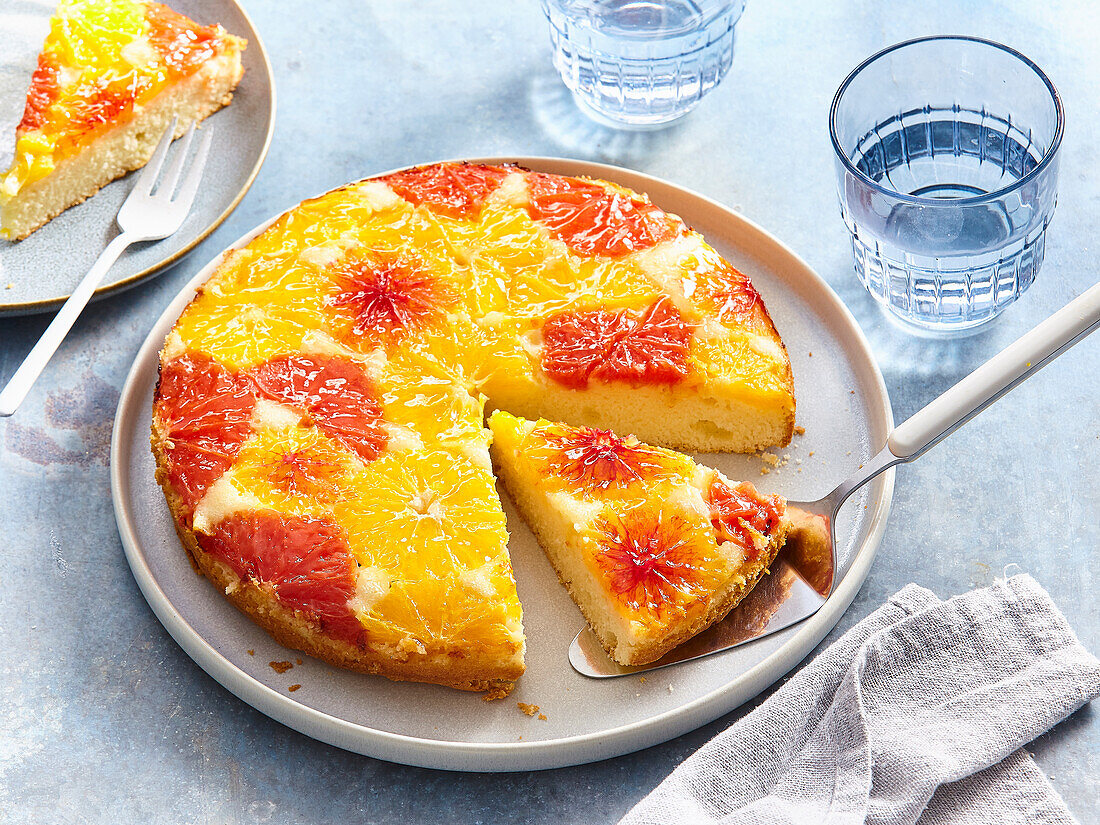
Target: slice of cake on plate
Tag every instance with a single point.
(111, 76)
(652, 547)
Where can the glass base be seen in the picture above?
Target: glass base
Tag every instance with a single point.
(938, 330)
(633, 123)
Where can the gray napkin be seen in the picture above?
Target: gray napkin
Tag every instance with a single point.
(916, 714)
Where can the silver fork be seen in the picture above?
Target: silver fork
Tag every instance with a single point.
(145, 215)
(805, 573)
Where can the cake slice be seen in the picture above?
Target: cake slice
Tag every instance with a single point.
(652, 547)
(111, 76)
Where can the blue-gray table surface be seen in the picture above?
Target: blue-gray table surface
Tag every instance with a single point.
(105, 720)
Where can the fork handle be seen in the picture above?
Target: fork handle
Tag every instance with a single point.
(20, 384)
(1017, 362)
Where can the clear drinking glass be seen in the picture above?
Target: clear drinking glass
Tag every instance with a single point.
(641, 63)
(947, 167)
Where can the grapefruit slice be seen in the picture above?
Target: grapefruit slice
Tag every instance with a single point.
(202, 412)
(336, 393)
(594, 220)
(455, 190)
(648, 347)
(304, 561)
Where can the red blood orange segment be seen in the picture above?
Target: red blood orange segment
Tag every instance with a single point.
(596, 459)
(205, 411)
(650, 560)
(183, 44)
(384, 297)
(100, 104)
(336, 393)
(452, 189)
(736, 510)
(592, 220)
(42, 93)
(650, 347)
(729, 293)
(306, 562)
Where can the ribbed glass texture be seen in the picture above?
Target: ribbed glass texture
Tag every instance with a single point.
(946, 159)
(641, 63)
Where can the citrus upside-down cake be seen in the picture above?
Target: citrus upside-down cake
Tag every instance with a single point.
(111, 76)
(652, 547)
(319, 421)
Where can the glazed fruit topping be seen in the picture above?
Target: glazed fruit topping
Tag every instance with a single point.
(452, 189)
(205, 409)
(734, 511)
(301, 472)
(183, 44)
(648, 347)
(42, 93)
(385, 296)
(648, 559)
(306, 561)
(336, 393)
(592, 220)
(598, 459)
(730, 293)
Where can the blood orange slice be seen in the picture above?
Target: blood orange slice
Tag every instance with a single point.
(183, 43)
(594, 459)
(728, 293)
(383, 297)
(336, 393)
(650, 560)
(204, 410)
(305, 561)
(735, 511)
(592, 220)
(650, 347)
(452, 189)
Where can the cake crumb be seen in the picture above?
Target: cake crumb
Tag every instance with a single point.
(764, 471)
(251, 652)
(641, 679)
(530, 710)
(497, 693)
(811, 453)
(799, 430)
(542, 717)
(12, 286)
(281, 667)
(293, 688)
(811, 355)
(770, 458)
(670, 688)
(297, 661)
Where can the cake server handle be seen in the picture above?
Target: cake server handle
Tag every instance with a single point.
(997, 376)
(20, 384)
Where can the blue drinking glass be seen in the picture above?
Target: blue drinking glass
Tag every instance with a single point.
(947, 170)
(641, 64)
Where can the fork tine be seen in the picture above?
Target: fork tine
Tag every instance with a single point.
(149, 174)
(167, 184)
(190, 183)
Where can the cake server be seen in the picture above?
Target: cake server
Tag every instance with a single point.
(149, 213)
(804, 574)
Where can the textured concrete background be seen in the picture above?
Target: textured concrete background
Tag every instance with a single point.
(103, 719)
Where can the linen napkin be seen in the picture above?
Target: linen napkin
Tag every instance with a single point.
(916, 714)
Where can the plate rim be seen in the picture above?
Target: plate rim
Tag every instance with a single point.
(47, 304)
(493, 756)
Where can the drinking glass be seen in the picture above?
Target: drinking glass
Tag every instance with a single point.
(947, 167)
(640, 64)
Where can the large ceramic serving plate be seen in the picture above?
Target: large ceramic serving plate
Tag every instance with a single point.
(843, 406)
(38, 273)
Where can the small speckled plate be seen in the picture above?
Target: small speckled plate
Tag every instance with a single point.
(842, 403)
(38, 273)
